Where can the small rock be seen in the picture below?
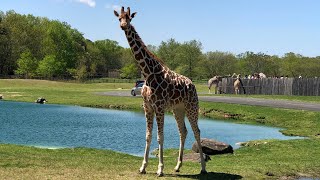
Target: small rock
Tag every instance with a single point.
(212, 147)
(1, 96)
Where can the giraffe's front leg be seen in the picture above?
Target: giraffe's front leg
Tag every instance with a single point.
(149, 125)
(160, 123)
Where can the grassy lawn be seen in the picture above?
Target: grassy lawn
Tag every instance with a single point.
(272, 160)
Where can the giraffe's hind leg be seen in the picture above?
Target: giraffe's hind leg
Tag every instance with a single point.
(149, 113)
(179, 114)
(160, 124)
(192, 114)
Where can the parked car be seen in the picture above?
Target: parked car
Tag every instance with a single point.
(137, 89)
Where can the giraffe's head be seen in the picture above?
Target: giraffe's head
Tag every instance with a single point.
(124, 17)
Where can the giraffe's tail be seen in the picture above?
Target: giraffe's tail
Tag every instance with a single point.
(244, 90)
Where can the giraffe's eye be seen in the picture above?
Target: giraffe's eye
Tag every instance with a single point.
(119, 19)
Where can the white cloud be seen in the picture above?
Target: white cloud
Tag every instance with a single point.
(91, 3)
(112, 6)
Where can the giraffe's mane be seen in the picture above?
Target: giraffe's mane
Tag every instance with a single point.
(145, 47)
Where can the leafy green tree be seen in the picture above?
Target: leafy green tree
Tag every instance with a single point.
(292, 64)
(50, 66)
(5, 47)
(167, 51)
(273, 66)
(65, 43)
(25, 35)
(188, 56)
(251, 63)
(130, 68)
(27, 65)
(129, 72)
(220, 63)
(110, 55)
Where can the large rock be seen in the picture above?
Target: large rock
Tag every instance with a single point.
(212, 147)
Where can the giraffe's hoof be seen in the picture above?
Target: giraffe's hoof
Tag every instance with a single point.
(142, 171)
(160, 174)
(176, 170)
(203, 172)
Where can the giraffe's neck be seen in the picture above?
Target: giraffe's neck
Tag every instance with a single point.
(148, 63)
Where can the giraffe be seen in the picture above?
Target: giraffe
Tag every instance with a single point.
(163, 89)
(237, 83)
(214, 82)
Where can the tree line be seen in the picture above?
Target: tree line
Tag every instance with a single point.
(37, 46)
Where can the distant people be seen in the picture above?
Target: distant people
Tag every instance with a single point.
(256, 76)
(262, 75)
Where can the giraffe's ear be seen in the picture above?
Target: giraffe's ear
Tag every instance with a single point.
(116, 13)
(133, 15)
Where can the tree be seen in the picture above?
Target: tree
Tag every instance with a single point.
(188, 56)
(251, 62)
(292, 64)
(110, 55)
(167, 51)
(130, 68)
(5, 47)
(27, 65)
(219, 63)
(50, 66)
(129, 72)
(25, 35)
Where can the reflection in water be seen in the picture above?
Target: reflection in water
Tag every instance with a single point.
(57, 126)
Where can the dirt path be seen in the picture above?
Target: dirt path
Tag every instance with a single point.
(241, 100)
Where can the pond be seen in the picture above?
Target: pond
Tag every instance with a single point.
(59, 126)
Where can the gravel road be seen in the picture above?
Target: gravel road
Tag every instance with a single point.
(242, 100)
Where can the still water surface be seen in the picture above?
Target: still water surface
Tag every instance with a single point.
(59, 126)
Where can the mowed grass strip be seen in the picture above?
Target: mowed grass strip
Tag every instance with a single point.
(270, 159)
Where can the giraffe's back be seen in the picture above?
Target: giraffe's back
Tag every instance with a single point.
(168, 89)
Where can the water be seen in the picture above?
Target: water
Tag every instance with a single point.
(58, 126)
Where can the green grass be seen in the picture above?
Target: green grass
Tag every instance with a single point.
(272, 160)
(295, 122)
(68, 93)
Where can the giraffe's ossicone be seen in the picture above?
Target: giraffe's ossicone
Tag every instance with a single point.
(163, 89)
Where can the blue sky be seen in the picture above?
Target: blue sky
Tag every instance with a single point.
(268, 26)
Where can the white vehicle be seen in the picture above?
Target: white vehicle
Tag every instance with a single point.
(137, 89)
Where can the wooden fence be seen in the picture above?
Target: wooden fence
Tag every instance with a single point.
(273, 86)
